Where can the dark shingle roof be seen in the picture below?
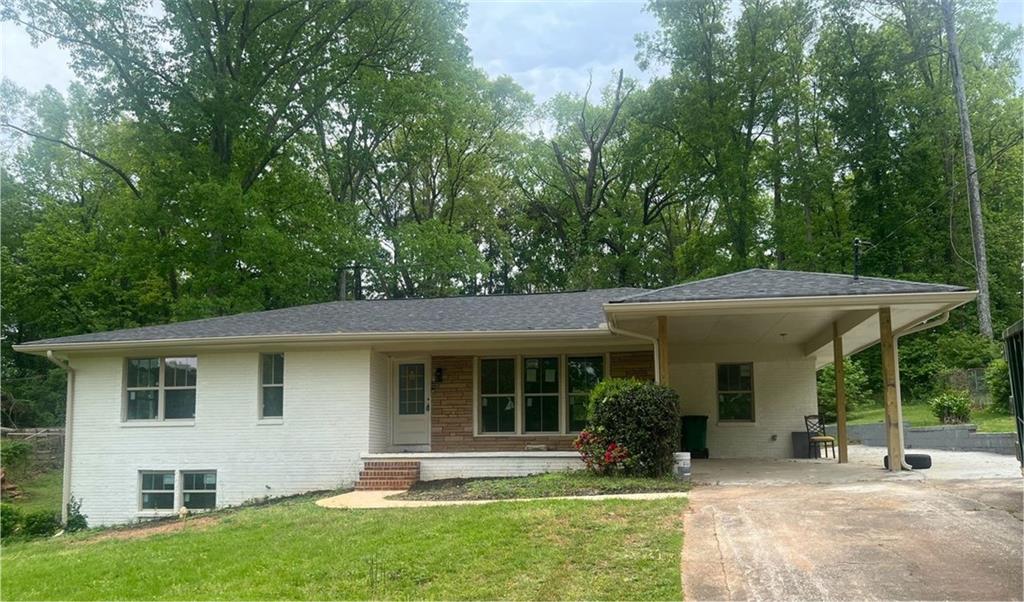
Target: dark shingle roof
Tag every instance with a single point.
(548, 311)
(767, 284)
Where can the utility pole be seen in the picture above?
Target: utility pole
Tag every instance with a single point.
(970, 166)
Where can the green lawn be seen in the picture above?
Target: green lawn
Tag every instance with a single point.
(552, 484)
(39, 491)
(921, 415)
(554, 549)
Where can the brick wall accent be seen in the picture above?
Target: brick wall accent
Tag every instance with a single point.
(632, 364)
(451, 414)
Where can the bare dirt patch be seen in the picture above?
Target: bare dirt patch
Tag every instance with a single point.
(149, 530)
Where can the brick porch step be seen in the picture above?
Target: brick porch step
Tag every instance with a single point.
(388, 474)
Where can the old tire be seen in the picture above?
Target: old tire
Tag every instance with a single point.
(916, 461)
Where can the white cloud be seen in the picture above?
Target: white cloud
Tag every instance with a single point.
(32, 67)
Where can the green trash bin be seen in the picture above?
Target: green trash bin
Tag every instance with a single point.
(695, 436)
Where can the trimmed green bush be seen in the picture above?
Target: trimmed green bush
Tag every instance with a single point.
(997, 380)
(952, 407)
(642, 417)
(41, 523)
(10, 521)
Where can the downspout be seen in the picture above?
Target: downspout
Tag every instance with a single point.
(612, 328)
(895, 341)
(69, 414)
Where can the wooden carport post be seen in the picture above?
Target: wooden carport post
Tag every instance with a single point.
(889, 378)
(662, 358)
(840, 371)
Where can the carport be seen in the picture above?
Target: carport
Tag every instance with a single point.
(773, 313)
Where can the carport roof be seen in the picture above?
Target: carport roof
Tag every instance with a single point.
(774, 284)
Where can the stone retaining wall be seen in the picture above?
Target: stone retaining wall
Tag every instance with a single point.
(957, 437)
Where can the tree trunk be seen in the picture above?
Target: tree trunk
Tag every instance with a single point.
(973, 192)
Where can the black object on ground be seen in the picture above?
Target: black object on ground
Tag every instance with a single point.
(916, 461)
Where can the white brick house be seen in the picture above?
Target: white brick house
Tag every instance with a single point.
(219, 411)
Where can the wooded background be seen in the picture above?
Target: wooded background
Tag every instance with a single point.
(224, 156)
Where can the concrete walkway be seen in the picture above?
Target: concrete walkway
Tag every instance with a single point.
(378, 499)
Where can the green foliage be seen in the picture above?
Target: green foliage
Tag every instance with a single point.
(997, 380)
(551, 484)
(39, 523)
(952, 407)
(642, 417)
(14, 454)
(250, 159)
(858, 391)
(11, 520)
(76, 520)
(431, 553)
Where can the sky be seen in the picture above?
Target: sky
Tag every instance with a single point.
(546, 46)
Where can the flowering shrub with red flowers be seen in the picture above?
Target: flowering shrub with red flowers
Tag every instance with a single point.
(599, 454)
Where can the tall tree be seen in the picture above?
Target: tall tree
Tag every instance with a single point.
(971, 167)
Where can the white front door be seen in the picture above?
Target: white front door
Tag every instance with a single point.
(411, 401)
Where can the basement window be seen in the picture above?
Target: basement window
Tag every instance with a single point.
(199, 490)
(157, 490)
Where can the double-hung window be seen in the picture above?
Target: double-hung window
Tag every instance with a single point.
(272, 385)
(157, 490)
(160, 388)
(498, 395)
(736, 392)
(199, 490)
(583, 374)
(541, 394)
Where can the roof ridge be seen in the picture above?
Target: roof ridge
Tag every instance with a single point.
(672, 286)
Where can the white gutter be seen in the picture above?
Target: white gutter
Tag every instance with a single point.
(910, 329)
(69, 414)
(612, 328)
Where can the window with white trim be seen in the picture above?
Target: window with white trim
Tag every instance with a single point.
(271, 385)
(199, 490)
(498, 395)
(736, 392)
(156, 490)
(160, 388)
(583, 374)
(541, 394)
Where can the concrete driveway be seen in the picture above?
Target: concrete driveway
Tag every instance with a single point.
(814, 530)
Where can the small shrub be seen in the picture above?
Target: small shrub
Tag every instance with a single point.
(14, 454)
(641, 416)
(952, 407)
(41, 523)
(997, 380)
(600, 454)
(11, 519)
(76, 520)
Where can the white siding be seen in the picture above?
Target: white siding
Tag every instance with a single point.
(315, 446)
(784, 392)
(380, 402)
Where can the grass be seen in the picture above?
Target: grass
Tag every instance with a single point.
(988, 421)
(38, 491)
(553, 484)
(552, 549)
